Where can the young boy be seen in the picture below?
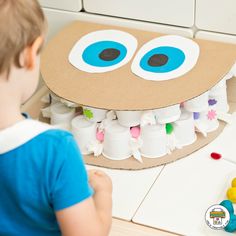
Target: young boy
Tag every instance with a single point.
(44, 187)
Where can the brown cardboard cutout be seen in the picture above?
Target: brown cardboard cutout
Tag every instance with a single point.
(121, 89)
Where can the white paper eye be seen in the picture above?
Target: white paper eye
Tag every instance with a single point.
(102, 51)
(165, 58)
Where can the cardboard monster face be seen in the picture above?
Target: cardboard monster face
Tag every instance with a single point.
(125, 69)
(117, 68)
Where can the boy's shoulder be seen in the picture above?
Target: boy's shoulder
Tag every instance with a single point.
(53, 142)
(32, 131)
(54, 138)
(48, 134)
(55, 134)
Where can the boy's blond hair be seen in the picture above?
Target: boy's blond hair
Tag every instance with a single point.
(21, 22)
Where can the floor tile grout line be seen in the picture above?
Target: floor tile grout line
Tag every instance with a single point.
(230, 161)
(147, 193)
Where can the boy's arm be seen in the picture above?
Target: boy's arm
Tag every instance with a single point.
(83, 219)
(92, 217)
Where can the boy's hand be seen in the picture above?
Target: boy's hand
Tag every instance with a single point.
(100, 181)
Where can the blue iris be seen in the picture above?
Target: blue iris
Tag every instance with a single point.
(92, 54)
(175, 58)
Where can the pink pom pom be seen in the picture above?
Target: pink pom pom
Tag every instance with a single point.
(135, 131)
(100, 136)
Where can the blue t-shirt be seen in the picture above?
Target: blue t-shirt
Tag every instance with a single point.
(40, 173)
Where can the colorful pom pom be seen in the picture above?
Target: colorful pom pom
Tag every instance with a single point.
(169, 128)
(88, 113)
(215, 155)
(228, 205)
(233, 183)
(211, 115)
(212, 102)
(231, 194)
(135, 131)
(100, 136)
(231, 227)
(196, 115)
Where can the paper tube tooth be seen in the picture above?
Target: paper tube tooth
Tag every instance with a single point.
(61, 114)
(154, 141)
(94, 114)
(129, 118)
(197, 104)
(84, 133)
(167, 114)
(184, 129)
(116, 145)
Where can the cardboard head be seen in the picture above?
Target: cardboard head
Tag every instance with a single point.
(123, 88)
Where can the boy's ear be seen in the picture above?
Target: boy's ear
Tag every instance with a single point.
(31, 53)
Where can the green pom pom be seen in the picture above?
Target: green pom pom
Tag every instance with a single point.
(169, 128)
(228, 205)
(88, 113)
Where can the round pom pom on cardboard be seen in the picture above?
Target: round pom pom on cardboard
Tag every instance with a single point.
(100, 136)
(196, 115)
(212, 102)
(135, 131)
(169, 128)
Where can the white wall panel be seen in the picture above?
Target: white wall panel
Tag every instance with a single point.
(174, 12)
(58, 19)
(216, 15)
(216, 37)
(69, 5)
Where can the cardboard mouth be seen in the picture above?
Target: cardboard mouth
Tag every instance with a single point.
(33, 108)
(121, 89)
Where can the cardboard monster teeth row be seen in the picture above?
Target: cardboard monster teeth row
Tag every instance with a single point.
(118, 135)
(147, 98)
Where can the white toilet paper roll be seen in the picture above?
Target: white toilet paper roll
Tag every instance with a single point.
(116, 145)
(84, 133)
(154, 141)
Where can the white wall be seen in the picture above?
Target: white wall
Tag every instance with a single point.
(209, 19)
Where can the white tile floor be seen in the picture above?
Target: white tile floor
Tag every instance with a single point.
(226, 142)
(176, 197)
(129, 189)
(181, 195)
(204, 229)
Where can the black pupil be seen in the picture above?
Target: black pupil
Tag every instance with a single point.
(158, 60)
(109, 54)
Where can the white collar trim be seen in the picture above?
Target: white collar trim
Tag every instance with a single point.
(20, 133)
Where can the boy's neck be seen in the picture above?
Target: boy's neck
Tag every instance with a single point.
(9, 107)
(9, 116)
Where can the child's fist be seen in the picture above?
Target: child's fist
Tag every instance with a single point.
(100, 181)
